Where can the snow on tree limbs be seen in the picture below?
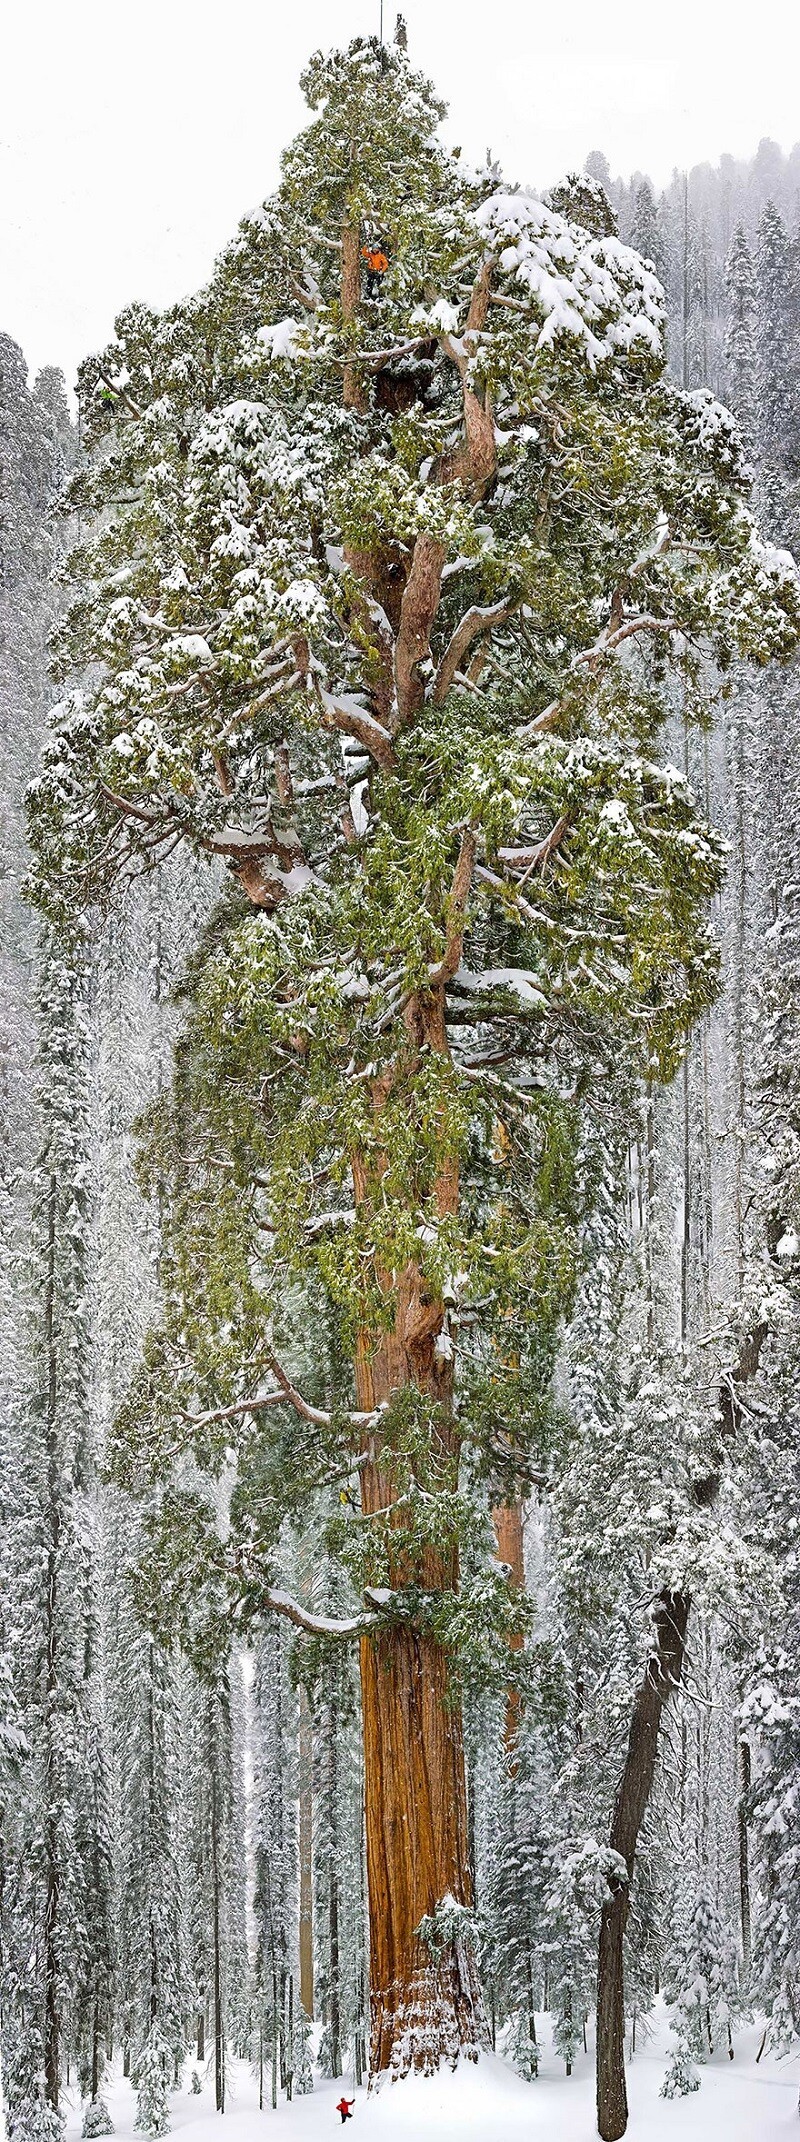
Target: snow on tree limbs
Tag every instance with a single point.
(378, 609)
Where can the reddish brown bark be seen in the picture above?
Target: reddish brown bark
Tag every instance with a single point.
(418, 609)
(423, 2009)
(473, 461)
(507, 1519)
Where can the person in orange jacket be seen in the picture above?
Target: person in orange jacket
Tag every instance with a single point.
(377, 262)
(344, 2108)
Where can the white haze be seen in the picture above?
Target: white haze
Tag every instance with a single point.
(131, 140)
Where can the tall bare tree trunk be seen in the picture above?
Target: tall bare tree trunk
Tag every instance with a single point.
(52, 2018)
(662, 1676)
(507, 1519)
(745, 1774)
(306, 1854)
(216, 1886)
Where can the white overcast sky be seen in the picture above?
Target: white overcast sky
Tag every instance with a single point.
(133, 137)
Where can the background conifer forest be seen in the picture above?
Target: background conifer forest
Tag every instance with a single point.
(400, 1156)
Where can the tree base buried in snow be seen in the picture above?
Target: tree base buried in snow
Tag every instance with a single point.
(152, 2087)
(97, 2119)
(681, 2077)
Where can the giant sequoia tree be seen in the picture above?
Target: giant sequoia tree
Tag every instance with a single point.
(380, 608)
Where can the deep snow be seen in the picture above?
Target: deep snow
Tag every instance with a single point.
(736, 2102)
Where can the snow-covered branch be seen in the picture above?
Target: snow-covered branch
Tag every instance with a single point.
(591, 657)
(477, 620)
(286, 1394)
(345, 713)
(529, 859)
(318, 1624)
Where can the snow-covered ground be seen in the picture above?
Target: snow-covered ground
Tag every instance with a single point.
(737, 2102)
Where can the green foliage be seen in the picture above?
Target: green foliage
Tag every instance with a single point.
(450, 1926)
(380, 1080)
(681, 2077)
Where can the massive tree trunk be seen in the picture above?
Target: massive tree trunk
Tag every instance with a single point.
(424, 2006)
(422, 2009)
(661, 1677)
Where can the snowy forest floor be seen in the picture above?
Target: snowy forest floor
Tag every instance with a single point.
(737, 2102)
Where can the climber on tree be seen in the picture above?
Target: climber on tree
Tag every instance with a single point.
(377, 261)
(344, 2108)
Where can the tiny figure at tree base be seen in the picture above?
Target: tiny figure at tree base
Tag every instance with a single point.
(344, 2107)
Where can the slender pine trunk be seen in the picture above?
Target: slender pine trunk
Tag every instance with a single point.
(219, 2019)
(306, 1853)
(745, 1776)
(661, 1677)
(52, 2017)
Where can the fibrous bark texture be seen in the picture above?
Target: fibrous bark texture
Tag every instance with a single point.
(422, 2010)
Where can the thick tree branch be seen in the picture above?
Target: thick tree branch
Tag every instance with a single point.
(377, 360)
(456, 911)
(345, 714)
(421, 598)
(475, 621)
(318, 1624)
(286, 1394)
(120, 395)
(529, 859)
(474, 461)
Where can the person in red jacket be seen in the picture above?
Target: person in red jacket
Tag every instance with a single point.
(344, 2108)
